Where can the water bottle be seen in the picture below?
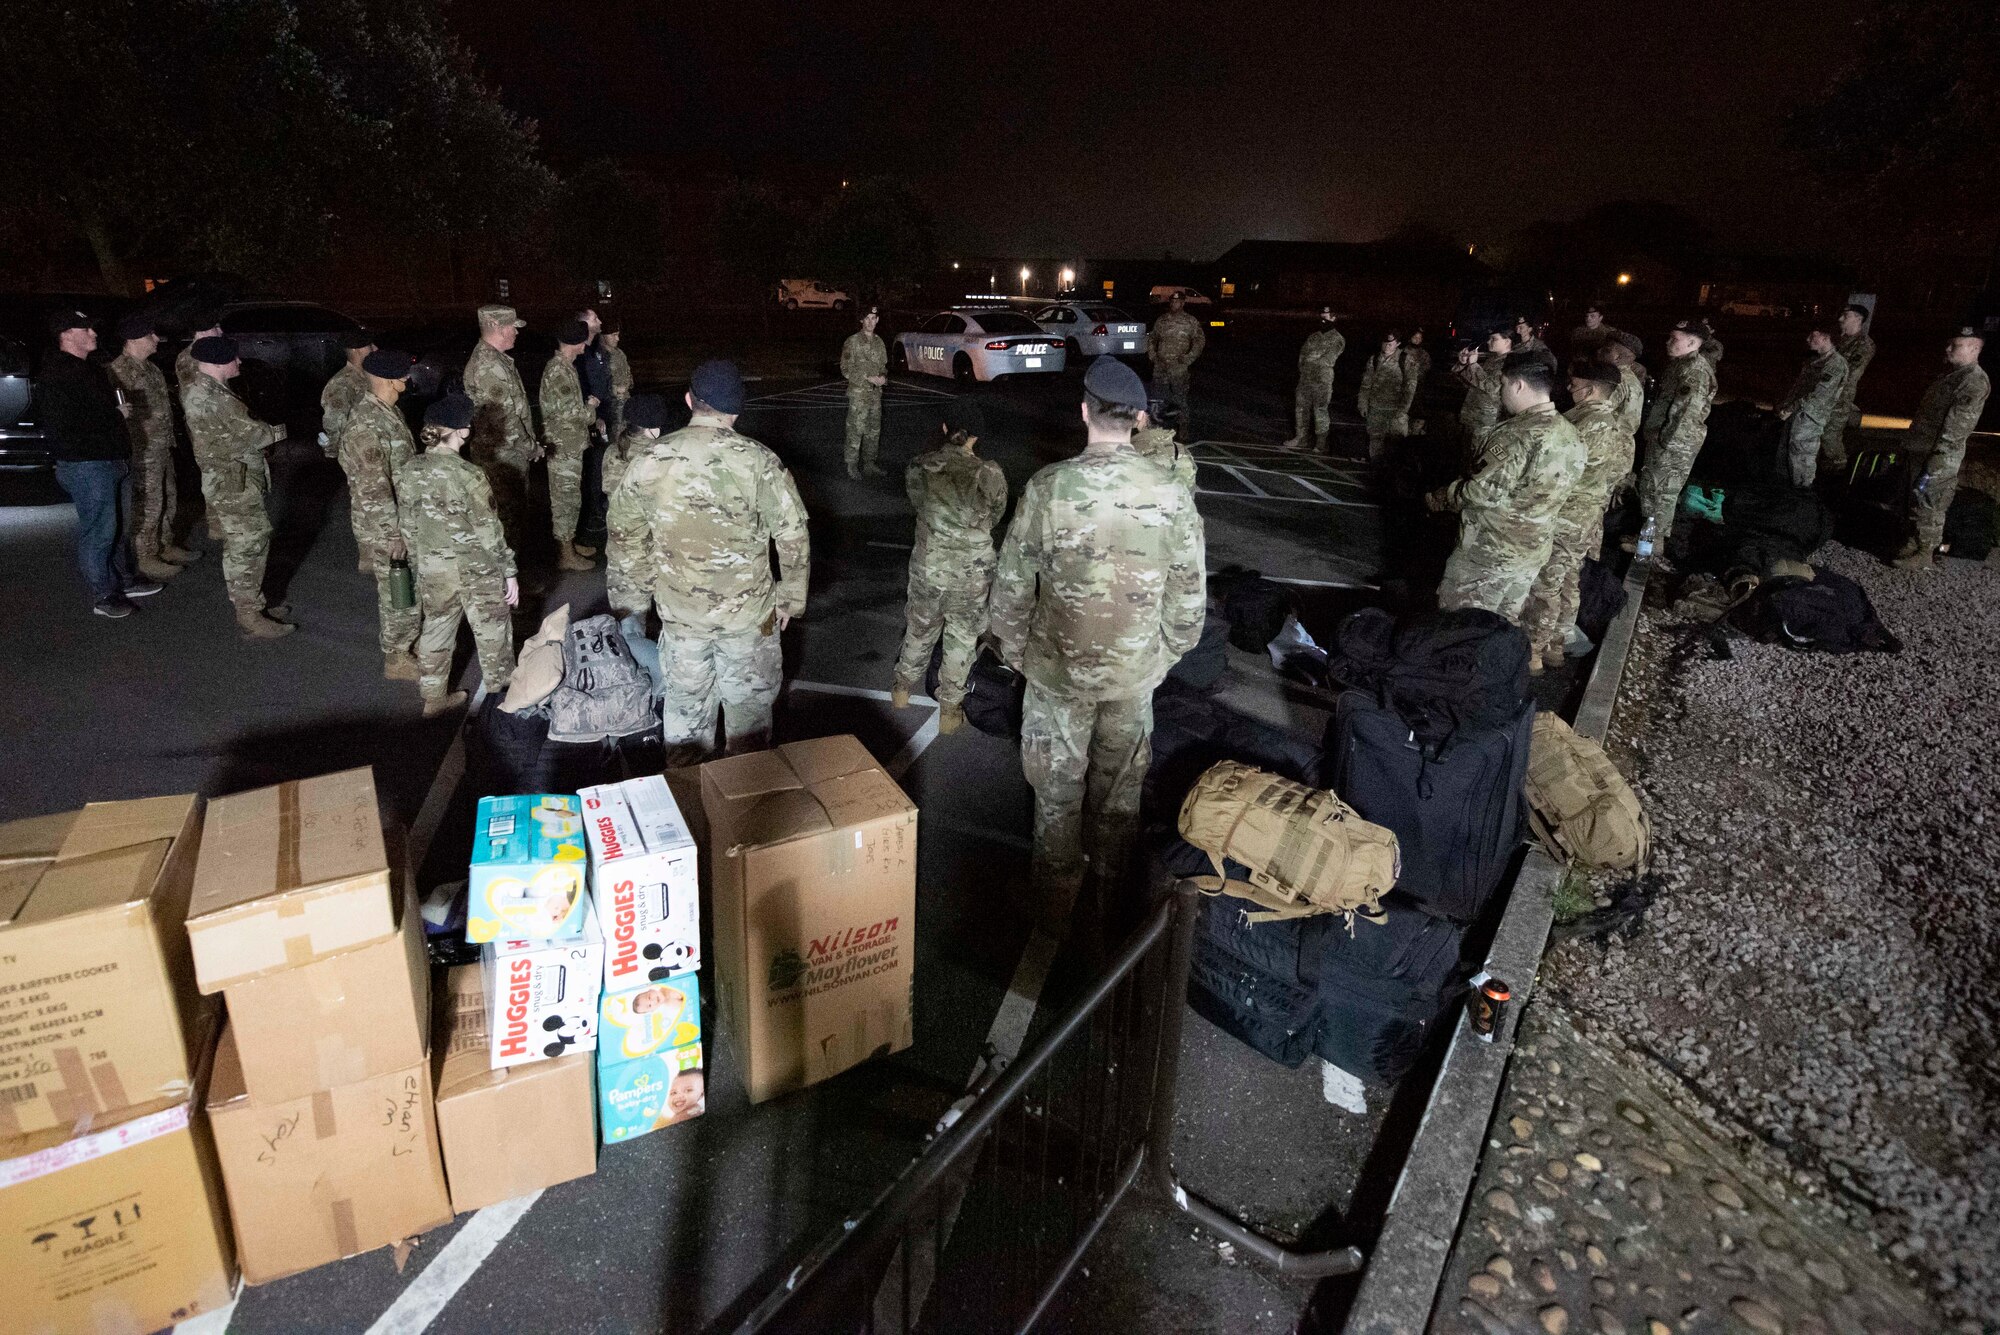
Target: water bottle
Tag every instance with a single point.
(1648, 536)
(402, 585)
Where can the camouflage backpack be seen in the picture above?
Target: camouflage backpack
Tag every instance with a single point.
(1305, 850)
(1581, 808)
(604, 692)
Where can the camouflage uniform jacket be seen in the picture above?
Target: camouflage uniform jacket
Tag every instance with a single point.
(1607, 452)
(348, 387)
(618, 457)
(152, 419)
(228, 441)
(1101, 586)
(375, 443)
(185, 367)
(1817, 391)
(861, 356)
(958, 497)
(1174, 341)
(1630, 397)
(1585, 341)
(1416, 365)
(1950, 410)
(501, 422)
(1319, 353)
(621, 373)
(1678, 415)
(1158, 444)
(566, 418)
(1507, 510)
(444, 506)
(692, 527)
(1482, 391)
(1857, 352)
(1711, 348)
(1382, 387)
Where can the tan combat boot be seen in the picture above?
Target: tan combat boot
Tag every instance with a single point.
(568, 558)
(153, 568)
(582, 550)
(899, 695)
(950, 719)
(180, 556)
(399, 667)
(442, 704)
(257, 626)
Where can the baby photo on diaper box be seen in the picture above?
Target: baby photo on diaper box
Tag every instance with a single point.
(653, 1092)
(529, 869)
(653, 1019)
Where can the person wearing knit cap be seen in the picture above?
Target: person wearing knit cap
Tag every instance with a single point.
(155, 493)
(344, 390)
(230, 446)
(566, 422)
(374, 442)
(1579, 529)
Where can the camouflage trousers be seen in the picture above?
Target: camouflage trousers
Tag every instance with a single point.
(1500, 584)
(1661, 482)
(951, 608)
(1384, 425)
(1170, 387)
(236, 514)
(1803, 439)
(1833, 441)
(703, 675)
(864, 425)
(507, 473)
(1556, 594)
(565, 490)
(1312, 418)
(1929, 507)
(399, 625)
(446, 594)
(1086, 761)
(154, 501)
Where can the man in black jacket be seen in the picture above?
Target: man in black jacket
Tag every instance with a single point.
(83, 421)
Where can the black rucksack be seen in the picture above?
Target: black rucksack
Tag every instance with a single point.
(994, 693)
(1256, 609)
(1457, 810)
(1466, 669)
(1600, 598)
(1829, 612)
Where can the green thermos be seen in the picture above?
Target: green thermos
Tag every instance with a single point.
(402, 585)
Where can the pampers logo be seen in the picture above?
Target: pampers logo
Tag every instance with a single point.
(514, 1040)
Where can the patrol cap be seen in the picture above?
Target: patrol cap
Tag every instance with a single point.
(573, 333)
(215, 350)
(963, 414)
(1111, 381)
(1631, 342)
(356, 339)
(1602, 372)
(453, 412)
(645, 410)
(134, 326)
(718, 384)
(388, 364)
(499, 317)
(62, 322)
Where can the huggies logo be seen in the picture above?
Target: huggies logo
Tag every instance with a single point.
(624, 930)
(607, 839)
(514, 1042)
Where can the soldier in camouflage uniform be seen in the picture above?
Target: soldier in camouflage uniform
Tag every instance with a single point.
(1384, 398)
(1857, 350)
(1945, 417)
(1579, 527)
(1711, 348)
(1154, 439)
(864, 364)
(1622, 351)
(1507, 510)
(186, 369)
(620, 369)
(566, 421)
(1676, 425)
(692, 529)
(1588, 338)
(1100, 590)
(1528, 339)
(229, 445)
(374, 443)
(1312, 422)
(1416, 367)
(343, 391)
(958, 497)
(645, 416)
(151, 426)
(464, 568)
(1480, 373)
(1174, 343)
(503, 428)
(1813, 402)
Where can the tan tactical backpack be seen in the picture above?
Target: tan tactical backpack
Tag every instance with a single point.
(1579, 804)
(1306, 850)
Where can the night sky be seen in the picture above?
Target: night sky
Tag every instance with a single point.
(1064, 128)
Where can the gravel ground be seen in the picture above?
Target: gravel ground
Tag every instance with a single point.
(1819, 965)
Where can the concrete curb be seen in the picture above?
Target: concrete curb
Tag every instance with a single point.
(1406, 1264)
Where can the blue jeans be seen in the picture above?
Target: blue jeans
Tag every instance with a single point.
(101, 489)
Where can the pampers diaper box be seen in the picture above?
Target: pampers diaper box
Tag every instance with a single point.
(542, 996)
(649, 1063)
(642, 863)
(529, 868)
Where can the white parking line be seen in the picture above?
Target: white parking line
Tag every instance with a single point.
(439, 1282)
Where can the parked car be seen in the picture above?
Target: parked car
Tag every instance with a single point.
(811, 294)
(1764, 308)
(968, 343)
(290, 349)
(1092, 329)
(1166, 292)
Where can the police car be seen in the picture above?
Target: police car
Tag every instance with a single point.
(973, 343)
(1092, 329)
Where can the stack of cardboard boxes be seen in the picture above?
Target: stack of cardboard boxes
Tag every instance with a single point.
(321, 1098)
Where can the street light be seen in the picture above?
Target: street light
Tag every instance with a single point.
(1068, 279)
(1624, 280)
(1024, 280)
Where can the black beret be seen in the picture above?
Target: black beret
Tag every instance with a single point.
(134, 326)
(388, 364)
(1604, 373)
(215, 350)
(63, 321)
(1630, 341)
(356, 339)
(645, 410)
(575, 333)
(963, 414)
(452, 412)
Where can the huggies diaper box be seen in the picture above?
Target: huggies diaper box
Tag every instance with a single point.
(642, 861)
(528, 869)
(542, 996)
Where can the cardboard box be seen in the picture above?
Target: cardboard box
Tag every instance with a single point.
(637, 1097)
(118, 1229)
(360, 1013)
(656, 1017)
(813, 862)
(528, 869)
(289, 875)
(98, 1007)
(643, 870)
(505, 1133)
(542, 996)
(316, 1179)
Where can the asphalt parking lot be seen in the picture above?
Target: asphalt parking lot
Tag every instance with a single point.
(683, 1229)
